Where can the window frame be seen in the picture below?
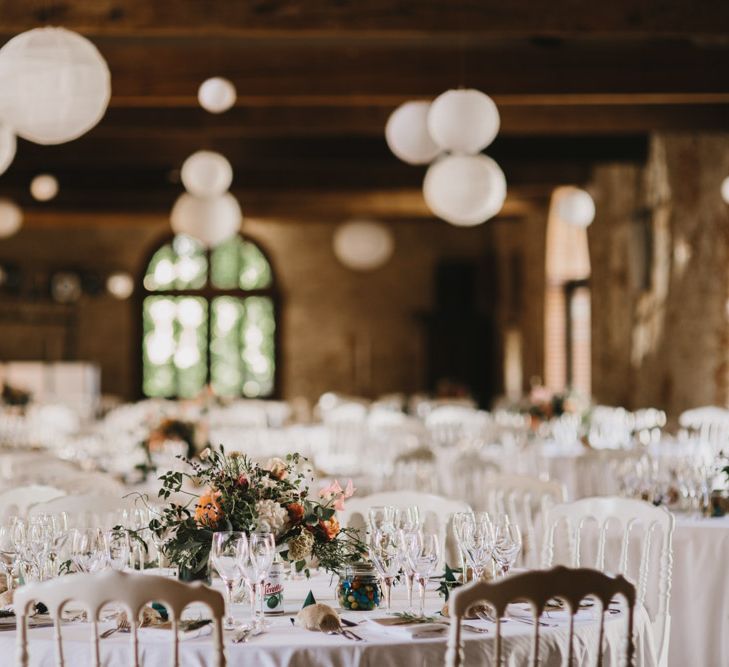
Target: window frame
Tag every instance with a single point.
(207, 292)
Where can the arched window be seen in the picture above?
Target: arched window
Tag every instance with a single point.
(209, 317)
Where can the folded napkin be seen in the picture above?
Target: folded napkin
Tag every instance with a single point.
(318, 617)
(397, 627)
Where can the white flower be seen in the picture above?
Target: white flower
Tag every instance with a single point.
(267, 483)
(271, 516)
(205, 454)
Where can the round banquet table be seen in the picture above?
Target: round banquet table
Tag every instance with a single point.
(286, 646)
(700, 593)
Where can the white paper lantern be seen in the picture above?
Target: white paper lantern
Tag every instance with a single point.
(206, 174)
(725, 190)
(463, 121)
(11, 218)
(120, 285)
(44, 187)
(55, 85)
(407, 133)
(211, 220)
(465, 190)
(216, 95)
(575, 206)
(7, 147)
(363, 245)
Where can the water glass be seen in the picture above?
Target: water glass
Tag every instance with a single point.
(228, 551)
(507, 544)
(385, 558)
(423, 560)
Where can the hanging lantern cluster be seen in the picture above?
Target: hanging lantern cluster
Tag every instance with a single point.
(462, 186)
(207, 211)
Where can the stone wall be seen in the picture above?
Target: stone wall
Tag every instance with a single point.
(660, 264)
(357, 333)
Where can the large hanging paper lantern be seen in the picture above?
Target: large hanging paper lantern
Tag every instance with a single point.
(55, 85)
(575, 206)
(120, 285)
(363, 245)
(216, 94)
(211, 220)
(725, 190)
(7, 147)
(407, 134)
(206, 174)
(465, 190)
(463, 121)
(11, 218)
(44, 187)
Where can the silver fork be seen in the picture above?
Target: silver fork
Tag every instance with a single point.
(122, 625)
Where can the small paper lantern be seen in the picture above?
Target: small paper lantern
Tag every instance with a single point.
(463, 121)
(55, 85)
(363, 245)
(11, 218)
(206, 174)
(725, 190)
(7, 147)
(120, 285)
(575, 206)
(211, 220)
(216, 95)
(44, 187)
(407, 134)
(465, 190)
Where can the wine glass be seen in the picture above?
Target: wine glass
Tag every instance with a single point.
(384, 555)
(407, 518)
(261, 549)
(381, 517)
(160, 537)
(506, 543)
(460, 521)
(407, 543)
(7, 553)
(226, 554)
(118, 547)
(477, 542)
(423, 560)
(88, 552)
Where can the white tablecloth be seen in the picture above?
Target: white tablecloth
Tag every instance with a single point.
(700, 593)
(286, 646)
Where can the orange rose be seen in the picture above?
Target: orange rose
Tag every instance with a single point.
(277, 468)
(208, 511)
(330, 527)
(296, 512)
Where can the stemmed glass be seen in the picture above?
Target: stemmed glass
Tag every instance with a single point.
(384, 555)
(228, 551)
(261, 549)
(118, 548)
(506, 544)
(477, 542)
(88, 552)
(460, 521)
(423, 560)
(407, 543)
(7, 553)
(382, 517)
(407, 518)
(160, 537)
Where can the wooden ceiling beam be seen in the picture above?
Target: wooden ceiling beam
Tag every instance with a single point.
(488, 18)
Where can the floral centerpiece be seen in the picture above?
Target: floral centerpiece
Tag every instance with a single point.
(173, 430)
(15, 396)
(239, 494)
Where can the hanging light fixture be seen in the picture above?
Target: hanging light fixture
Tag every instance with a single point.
(407, 133)
(211, 220)
(120, 285)
(216, 94)
(206, 174)
(465, 190)
(575, 206)
(463, 121)
(11, 218)
(363, 245)
(725, 190)
(7, 147)
(44, 187)
(55, 85)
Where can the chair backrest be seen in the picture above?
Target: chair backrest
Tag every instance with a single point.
(709, 425)
(538, 587)
(17, 501)
(597, 471)
(428, 504)
(448, 425)
(636, 523)
(132, 590)
(526, 500)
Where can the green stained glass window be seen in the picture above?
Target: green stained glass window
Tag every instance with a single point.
(209, 318)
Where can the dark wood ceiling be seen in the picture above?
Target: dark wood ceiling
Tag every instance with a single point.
(576, 84)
